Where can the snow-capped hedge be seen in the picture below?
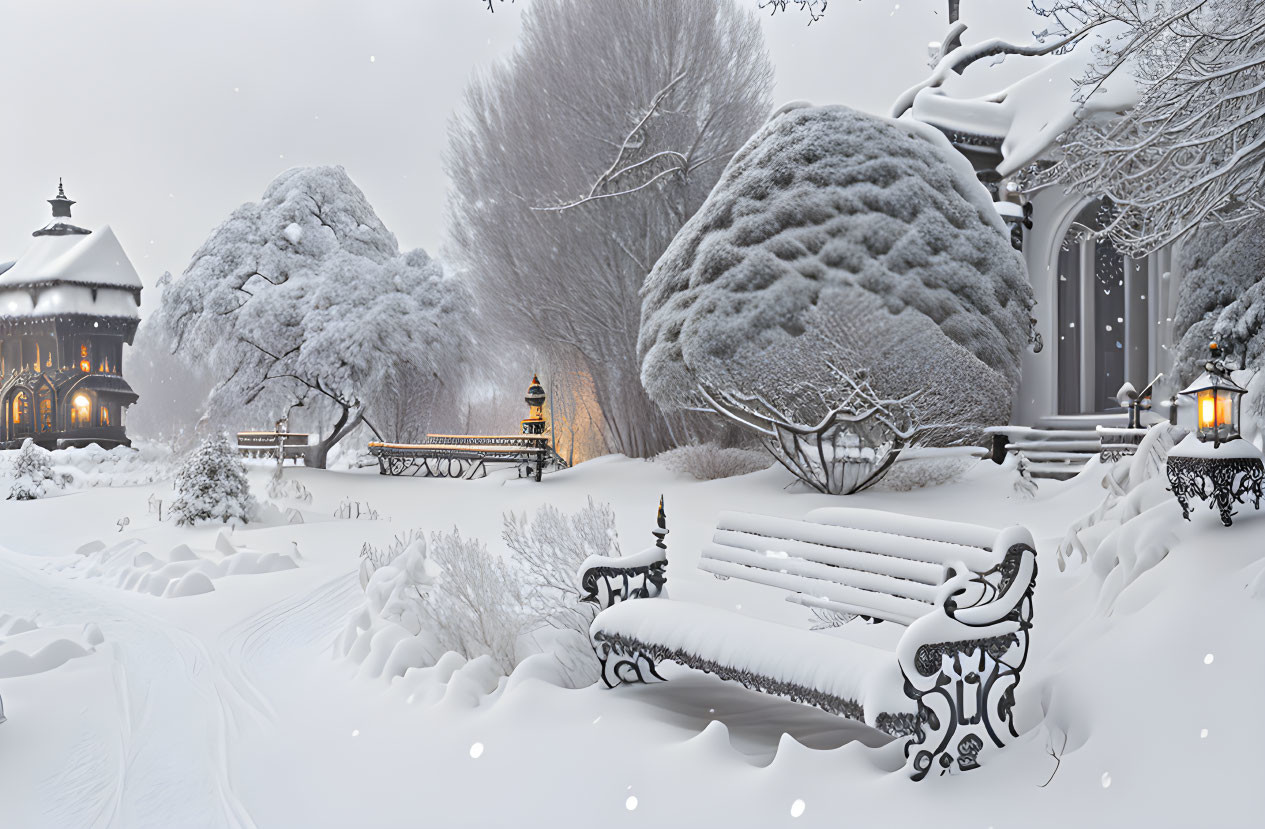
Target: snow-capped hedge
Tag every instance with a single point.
(839, 238)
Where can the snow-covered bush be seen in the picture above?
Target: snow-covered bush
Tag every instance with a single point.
(212, 485)
(842, 244)
(480, 607)
(91, 466)
(33, 473)
(281, 488)
(708, 461)
(448, 593)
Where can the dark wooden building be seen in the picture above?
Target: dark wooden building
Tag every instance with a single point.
(66, 309)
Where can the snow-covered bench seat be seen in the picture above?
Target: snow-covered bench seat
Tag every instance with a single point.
(962, 591)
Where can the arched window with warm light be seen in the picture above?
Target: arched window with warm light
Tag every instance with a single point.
(85, 365)
(81, 411)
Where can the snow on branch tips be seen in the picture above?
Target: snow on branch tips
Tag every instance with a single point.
(848, 450)
(1192, 149)
(815, 9)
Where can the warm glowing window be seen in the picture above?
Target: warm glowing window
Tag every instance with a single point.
(81, 414)
(46, 414)
(18, 400)
(105, 415)
(84, 365)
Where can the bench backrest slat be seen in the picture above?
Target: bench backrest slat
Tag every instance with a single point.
(921, 572)
(865, 562)
(919, 543)
(879, 605)
(804, 559)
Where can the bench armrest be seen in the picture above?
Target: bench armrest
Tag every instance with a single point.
(962, 661)
(606, 580)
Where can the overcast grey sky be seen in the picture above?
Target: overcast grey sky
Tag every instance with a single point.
(163, 116)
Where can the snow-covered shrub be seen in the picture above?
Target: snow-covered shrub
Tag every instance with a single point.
(479, 607)
(448, 593)
(281, 488)
(906, 475)
(373, 558)
(839, 243)
(212, 485)
(33, 473)
(708, 461)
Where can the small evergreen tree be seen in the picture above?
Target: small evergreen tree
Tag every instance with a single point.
(32, 473)
(212, 485)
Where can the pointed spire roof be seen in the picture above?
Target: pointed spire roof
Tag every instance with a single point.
(60, 225)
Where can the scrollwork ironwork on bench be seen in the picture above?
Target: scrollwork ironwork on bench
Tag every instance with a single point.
(1223, 482)
(608, 585)
(971, 693)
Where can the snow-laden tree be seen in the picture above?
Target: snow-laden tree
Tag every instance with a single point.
(845, 267)
(211, 485)
(574, 163)
(303, 299)
(32, 471)
(1193, 147)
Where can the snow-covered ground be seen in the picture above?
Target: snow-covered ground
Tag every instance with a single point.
(134, 703)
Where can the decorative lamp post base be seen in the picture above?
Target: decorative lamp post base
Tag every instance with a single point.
(1223, 475)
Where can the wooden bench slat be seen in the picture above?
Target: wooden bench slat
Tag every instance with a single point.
(891, 567)
(801, 566)
(890, 542)
(893, 608)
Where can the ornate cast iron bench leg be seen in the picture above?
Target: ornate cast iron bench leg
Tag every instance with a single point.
(623, 662)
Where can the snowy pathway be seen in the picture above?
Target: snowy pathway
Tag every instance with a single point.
(177, 704)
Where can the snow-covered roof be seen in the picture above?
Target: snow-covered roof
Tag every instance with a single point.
(1029, 114)
(93, 260)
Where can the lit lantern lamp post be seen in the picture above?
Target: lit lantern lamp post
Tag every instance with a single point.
(1214, 462)
(534, 424)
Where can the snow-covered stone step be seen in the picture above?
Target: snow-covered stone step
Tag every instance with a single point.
(1081, 446)
(1054, 470)
(1072, 457)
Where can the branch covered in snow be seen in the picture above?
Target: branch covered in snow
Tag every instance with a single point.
(1193, 148)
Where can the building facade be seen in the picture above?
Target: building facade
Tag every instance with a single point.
(67, 307)
(1103, 319)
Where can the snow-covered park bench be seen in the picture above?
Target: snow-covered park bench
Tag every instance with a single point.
(963, 592)
(465, 456)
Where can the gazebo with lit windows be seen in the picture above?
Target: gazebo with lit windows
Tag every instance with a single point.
(66, 309)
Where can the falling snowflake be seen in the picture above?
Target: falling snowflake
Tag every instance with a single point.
(476, 751)
(355, 733)
(1208, 659)
(631, 803)
(797, 808)
(1203, 733)
(1106, 779)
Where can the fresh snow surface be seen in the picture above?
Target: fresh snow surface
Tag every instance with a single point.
(233, 708)
(849, 670)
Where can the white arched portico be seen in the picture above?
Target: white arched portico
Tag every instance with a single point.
(1103, 318)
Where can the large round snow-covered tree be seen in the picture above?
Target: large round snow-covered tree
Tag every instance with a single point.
(842, 257)
(575, 162)
(212, 486)
(303, 299)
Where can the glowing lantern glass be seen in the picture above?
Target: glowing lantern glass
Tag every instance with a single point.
(1217, 399)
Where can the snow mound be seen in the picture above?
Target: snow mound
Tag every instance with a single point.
(26, 648)
(182, 572)
(836, 238)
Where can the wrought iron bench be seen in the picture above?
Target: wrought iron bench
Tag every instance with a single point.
(466, 456)
(963, 592)
(291, 445)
